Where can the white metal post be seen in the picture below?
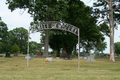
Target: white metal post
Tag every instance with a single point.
(28, 48)
(78, 48)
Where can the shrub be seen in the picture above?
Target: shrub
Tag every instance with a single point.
(15, 48)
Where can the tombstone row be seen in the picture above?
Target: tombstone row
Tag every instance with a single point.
(6, 55)
(89, 58)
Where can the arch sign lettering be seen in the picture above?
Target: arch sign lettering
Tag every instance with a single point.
(56, 25)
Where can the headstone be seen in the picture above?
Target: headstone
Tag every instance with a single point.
(32, 55)
(8, 55)
(85, 57)
(90, 58)
(105, 55)
(49, 59)
(101, 55)
(80, 57)
(15, 54)
(1, 55)
(28, 56)
(18, 53)
(73, 56)
(21, 53)
(52, 53)
(39, 54)
(68, 57)
(57, 57)
(76, 54)
(62, 55)
(65, 56)
(82, 53)
(86, 54)
(97, 55)
(116, 55)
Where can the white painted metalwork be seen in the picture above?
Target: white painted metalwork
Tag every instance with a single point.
(56, 25)
(28, 48)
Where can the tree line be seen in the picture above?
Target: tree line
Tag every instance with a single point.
(17, 36)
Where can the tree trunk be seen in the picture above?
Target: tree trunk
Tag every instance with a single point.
(46, 43)
(112, 57)
(58, 53)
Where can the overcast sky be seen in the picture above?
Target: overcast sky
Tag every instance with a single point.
(17, 19)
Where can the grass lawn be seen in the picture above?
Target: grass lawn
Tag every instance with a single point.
(15, 68)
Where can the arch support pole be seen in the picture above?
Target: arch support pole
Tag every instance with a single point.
(78, 48)
(28, 47)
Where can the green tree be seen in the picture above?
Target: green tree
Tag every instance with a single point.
(4, 45)
(19, 36)
(1, 46)
(60, 40)
(108, 10)
(117, 47)
(69, 41)
(81, 16)
(41, 10)
(70, 11)
(40, 47)
(33, 47)
(100, 47)
(3, 31)
(15, 48)
(56, 43)
(104, 28)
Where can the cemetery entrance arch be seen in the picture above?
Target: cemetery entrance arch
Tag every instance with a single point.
(48, 25)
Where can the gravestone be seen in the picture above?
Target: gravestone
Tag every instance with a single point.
(118, 54)
(90, 58)
(52, 53)
(101, 55)
(21, 53)
(67, 57)
(62, 55)
(28, 56)
(15, 54)
(39, 54)
(86, 54)
(1, 55)
(32, 55)
(115, 55)
(18, 53)
(73, 56)
(80, 57)
(8, 55)
(97, 55)
(82, 53)
(49, 59)
(85, 57)
(57, 57)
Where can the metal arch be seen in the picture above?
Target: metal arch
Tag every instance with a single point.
(56, 25)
